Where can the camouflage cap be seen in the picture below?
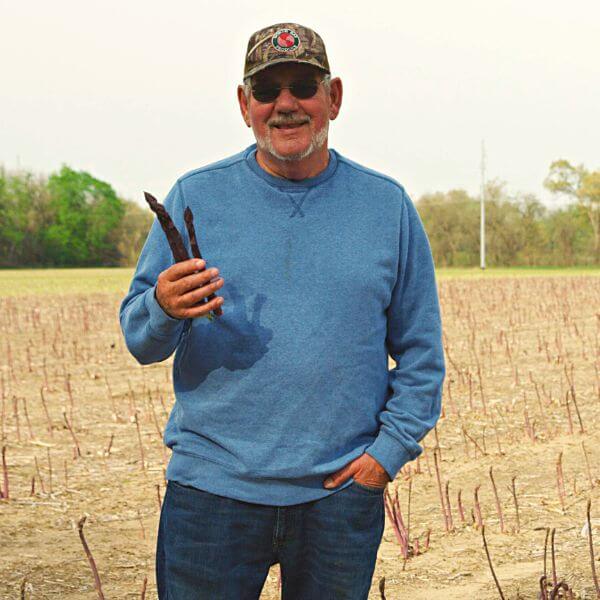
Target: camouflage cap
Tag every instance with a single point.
(284, 42)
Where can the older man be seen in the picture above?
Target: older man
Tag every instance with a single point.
(287, 424)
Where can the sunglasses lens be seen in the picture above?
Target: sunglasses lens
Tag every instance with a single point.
(265, 93)
(304, 89)
(300, 89)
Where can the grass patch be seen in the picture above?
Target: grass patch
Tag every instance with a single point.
(468, 272)
(41, 282)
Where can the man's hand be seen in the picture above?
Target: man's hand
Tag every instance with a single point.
(364, 469)
(180, 287)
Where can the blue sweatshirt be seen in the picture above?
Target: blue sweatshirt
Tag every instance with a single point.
(323, 278)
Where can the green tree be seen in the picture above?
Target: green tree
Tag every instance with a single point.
(506, 229)
(570, 236)
(23, 212)
(534, 247)
(451, 221)
(132, 232)
(86, 211)
(582, 185)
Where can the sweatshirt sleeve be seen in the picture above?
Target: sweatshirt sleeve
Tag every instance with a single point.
(414, 341)
(151, 335)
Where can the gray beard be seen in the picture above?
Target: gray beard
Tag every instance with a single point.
(317, 141)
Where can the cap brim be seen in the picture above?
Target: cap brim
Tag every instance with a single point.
(278, 61)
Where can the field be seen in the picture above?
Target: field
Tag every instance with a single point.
(81, 426)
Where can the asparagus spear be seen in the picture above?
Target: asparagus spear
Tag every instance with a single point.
(173, 236)
(189, 223)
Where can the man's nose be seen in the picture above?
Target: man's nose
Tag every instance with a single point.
(286, 101)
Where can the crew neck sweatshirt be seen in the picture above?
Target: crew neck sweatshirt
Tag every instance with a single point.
(323, 279)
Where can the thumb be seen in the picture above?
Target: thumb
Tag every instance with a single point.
(340, 476)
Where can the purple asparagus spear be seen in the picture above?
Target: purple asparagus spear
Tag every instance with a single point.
(189, 223)
(173, 236)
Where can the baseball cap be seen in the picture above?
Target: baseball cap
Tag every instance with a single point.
(284, 42)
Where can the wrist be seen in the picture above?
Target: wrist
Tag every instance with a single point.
(163, 308)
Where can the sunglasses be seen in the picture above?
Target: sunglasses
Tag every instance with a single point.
(267, 92)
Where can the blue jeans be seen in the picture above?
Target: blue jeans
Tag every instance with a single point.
(217, 548)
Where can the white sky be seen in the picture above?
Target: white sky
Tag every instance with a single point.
(139, 92)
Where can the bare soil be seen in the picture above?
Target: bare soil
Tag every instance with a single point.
(522, 387)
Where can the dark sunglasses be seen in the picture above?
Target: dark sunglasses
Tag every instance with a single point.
(267, 92)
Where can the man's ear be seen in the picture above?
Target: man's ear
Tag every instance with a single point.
(336, 91)
(243, 102)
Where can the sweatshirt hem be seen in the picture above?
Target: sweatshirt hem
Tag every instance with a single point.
(215, 478)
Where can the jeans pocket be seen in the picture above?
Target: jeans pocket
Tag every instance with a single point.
(180, 487)
(369, 489)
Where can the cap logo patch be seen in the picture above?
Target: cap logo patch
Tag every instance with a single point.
(285, 40)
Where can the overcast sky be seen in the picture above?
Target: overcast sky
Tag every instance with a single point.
(139, 92)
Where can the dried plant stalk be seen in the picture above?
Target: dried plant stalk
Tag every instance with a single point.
(479, 518)
(572, 388)
(498, 504)
(553, 556)
(27, 420)
(589, 527)
(487, 553)
(396, 520)
(5, 493)
(110, 443)
(381, 588)
(16, 415)
(159, 499)
(448, 506)
(587, 466)
(70, 428)
(48, 419)
(39, 474)
(97, 582)
(514, 494)
(441, 494)
(141, 443)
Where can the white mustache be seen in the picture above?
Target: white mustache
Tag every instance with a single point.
(281, 121)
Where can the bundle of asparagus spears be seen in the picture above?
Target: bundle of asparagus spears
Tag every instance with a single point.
(176, 241)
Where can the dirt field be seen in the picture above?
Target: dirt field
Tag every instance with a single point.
(522, 391)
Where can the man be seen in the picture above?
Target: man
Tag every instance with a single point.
(287, 425)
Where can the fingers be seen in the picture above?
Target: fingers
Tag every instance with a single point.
(181, 288)
(195, 280)
(341, 475)
(198, 294)
(203, 309)
(183, 268)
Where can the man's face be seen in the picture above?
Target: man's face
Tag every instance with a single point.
(289, 128)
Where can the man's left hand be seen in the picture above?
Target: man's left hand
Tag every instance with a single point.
(364, 469)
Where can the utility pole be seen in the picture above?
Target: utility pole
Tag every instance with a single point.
(482, 220)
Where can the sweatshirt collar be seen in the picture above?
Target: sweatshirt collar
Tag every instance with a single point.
(289, 184)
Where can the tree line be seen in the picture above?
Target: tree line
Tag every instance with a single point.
(71, 219)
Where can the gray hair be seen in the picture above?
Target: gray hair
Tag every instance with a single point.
(247, 84)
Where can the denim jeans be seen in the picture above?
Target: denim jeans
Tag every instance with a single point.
(215, 548)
